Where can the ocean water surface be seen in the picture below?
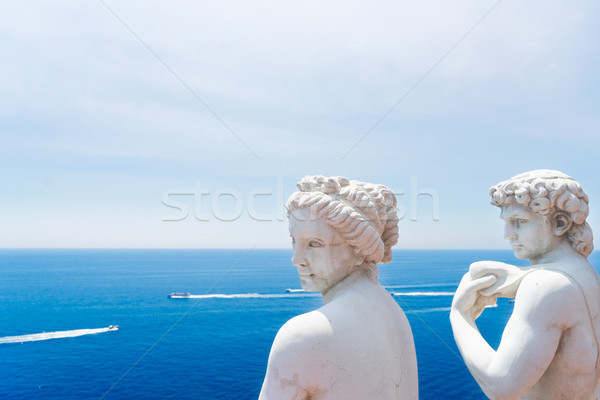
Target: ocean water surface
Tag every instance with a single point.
(209, 347)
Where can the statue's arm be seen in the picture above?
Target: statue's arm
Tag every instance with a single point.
(528, 343)
(292, 370)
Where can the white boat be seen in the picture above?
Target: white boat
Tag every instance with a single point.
(177, 295)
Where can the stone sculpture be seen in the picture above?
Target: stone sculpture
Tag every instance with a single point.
(550, 345)
(359, 345)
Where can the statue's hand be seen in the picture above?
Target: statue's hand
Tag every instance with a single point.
(508, 276)
(469, 298)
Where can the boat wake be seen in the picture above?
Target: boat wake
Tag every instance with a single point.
(422, 293)
(427, 310)
(295, 294)
(291, 293)
(252, 296)
(425, 285)
(55, 335)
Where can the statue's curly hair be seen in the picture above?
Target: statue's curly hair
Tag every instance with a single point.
(364, 213)
(547, 192)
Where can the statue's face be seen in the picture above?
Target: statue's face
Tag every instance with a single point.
(321, 255)
(530, 234)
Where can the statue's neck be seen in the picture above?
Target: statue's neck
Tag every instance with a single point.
(365, 274)
(562, 251)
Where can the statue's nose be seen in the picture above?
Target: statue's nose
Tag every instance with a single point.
(299, 258)
(509, 232)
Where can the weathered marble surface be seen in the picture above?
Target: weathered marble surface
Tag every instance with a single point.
(359, 345)
(550, 346)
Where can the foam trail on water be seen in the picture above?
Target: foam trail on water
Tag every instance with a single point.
(428, 310)
(54, 335)
(427, 285)
(422, 293)
(438, 309)
(295, 293)
(252, 296)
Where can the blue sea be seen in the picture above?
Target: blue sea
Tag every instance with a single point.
(201, 348)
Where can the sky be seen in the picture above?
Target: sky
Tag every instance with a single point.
(182, 124)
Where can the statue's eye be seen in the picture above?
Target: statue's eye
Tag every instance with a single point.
(315, 243)
(521, 221)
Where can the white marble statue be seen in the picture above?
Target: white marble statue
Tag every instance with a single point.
(359, 345)
(550, 345)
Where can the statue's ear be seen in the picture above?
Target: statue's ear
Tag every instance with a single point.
(563, 223)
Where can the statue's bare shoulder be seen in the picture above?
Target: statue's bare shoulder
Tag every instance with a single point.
(300, 345)
(548, 297)
(303, 330)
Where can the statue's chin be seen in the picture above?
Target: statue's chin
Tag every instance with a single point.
(307, 284)
(520, 254)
